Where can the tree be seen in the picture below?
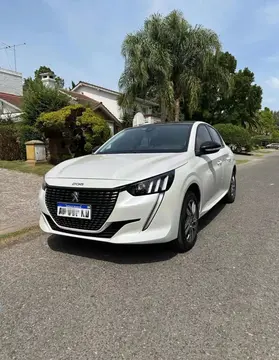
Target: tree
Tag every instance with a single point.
(42, 70)
(165, 61)
(46, 69)
(242, 106)
(73, 131)
(38, 98)
(217, 85)
(276, 117)
(267, 122)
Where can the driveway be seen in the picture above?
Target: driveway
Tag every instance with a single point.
(18, 200)
(66, 299)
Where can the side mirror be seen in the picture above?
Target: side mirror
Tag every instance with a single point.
(95, 149)
(209, 147)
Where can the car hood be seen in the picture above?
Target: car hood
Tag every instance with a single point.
(129, 167)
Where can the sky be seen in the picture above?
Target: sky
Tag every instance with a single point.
(81, 39)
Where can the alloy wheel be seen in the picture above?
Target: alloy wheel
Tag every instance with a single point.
(191, 221)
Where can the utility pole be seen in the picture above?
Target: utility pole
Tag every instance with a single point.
(14, 50)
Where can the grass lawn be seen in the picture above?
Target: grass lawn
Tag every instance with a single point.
(22, 166)
(238, 162)
(262, 151)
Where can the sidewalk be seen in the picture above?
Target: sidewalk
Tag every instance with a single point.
(18, 200)
(256, 155)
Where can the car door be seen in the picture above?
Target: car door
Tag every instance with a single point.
(210, 167)
(225, 156)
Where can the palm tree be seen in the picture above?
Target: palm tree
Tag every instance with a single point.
(166, 60)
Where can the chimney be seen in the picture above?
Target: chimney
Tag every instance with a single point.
(48, 79)
(11, 82)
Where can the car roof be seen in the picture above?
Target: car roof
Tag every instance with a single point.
(167, 123)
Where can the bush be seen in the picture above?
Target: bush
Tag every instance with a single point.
(73, 131)
(27, 133)
(235, 136)
(12, 140)
(9, 143)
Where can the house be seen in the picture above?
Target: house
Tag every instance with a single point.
(98, 107)
(10, 94)
(78, 98)
(110, 99)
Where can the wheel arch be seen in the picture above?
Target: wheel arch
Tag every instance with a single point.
(194, 188)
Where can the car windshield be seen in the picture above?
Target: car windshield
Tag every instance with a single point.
(155, 138)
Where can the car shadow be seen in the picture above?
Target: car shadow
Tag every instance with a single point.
(211, 215)
(120, 254)
(123, 254)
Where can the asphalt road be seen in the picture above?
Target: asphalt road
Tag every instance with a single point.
(72, 299)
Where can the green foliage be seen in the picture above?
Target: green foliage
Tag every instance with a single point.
(267, 122)
(182, 68)
(46, 69)
(239, 104)
(95, 129)
(217, 86)
(77, 127)
(165, 62)
(9, 143)
(57, 120)
(235, 136)
(276, 117)
(27, 133)
(42, 69)
(12, 140)
(38, 99)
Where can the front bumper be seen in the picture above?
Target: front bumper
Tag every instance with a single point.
(134, 220)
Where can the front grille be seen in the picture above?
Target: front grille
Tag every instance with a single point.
(108, 233)
(102, 204)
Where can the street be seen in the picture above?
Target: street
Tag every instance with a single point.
(67, 299)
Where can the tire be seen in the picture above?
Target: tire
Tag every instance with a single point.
(230, 196)
(189, 218)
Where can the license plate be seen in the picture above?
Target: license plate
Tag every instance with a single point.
(78, 211)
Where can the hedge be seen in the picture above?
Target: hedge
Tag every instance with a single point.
(12, 140)
(235, 136)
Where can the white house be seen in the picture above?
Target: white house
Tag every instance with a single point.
(110, 98)
(10, 94)
(98, 107)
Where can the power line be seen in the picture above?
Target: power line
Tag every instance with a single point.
(14, 49)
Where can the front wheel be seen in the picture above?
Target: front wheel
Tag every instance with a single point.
(188, 226)
(230, 196)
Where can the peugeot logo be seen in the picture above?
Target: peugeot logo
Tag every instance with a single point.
(75, 196)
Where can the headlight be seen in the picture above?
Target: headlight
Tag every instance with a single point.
(155, 185)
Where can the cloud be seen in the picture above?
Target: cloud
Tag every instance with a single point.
(273, 82)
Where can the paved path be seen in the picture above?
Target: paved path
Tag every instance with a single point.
(18, 200)
(77, 300)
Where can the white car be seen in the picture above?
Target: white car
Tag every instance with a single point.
(147, 184)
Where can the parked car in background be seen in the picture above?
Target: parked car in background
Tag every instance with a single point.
(273, 146)
(147, 184)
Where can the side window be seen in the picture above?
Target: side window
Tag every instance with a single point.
(202, 136)
(215, 136)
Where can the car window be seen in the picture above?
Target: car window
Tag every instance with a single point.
(215, 136)
(162, 138)
(202, 136)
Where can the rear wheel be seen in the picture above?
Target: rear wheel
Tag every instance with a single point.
(230, 196)
(188, 226)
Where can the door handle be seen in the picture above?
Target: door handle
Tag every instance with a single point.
(219, 162)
